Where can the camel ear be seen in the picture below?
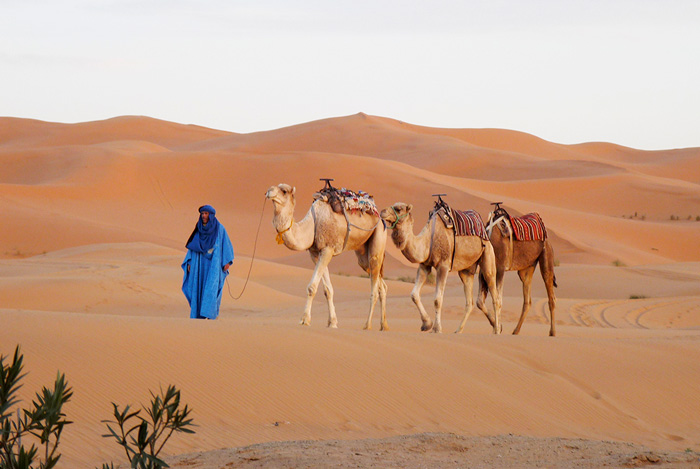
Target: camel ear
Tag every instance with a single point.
(294, 190)
(408, 208)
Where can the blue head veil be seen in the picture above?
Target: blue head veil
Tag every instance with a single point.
(204, 236)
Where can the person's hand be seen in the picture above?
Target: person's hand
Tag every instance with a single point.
(226, 267)
(188, 268)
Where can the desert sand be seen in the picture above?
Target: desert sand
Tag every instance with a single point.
(94, 220)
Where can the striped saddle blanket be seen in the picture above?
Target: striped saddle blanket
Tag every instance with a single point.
(528, 227)
(466, 223)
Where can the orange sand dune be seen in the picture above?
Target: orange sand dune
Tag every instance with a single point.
(95, 216)
(29, 132)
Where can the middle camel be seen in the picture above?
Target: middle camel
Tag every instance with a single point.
(436, 247)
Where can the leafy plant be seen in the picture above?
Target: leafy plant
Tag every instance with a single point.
(618, 263)
(143, 438)
(44, 421)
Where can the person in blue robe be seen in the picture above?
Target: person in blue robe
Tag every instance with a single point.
(206, 265)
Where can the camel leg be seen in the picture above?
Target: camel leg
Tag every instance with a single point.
(382, 303)
(525, 277)
(467, 277)
(322, 259)
(440, 282)
(421, 277)
(547, 271)
(483, 293)
(374, 271)
(489, 272)
(328, 291)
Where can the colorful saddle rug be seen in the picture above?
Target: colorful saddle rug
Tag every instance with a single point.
(354, 202)
(465, 223)
(469, 223)
(528, 227)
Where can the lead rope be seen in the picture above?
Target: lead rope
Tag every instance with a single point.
(255, 246)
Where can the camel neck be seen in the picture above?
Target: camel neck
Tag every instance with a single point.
(415, 248)
(298, 236)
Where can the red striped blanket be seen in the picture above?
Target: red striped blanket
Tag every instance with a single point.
(528, 227)
(469, 223)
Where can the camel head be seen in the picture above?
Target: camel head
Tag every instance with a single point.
(281, 195)
(396, 214)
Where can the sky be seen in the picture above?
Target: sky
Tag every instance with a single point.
(620, 71)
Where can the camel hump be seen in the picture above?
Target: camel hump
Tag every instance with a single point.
(353, 202)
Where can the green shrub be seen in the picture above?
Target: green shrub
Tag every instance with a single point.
(44, 421)
(144, 438)
(618, 263)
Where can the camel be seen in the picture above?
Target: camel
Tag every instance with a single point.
(523, 257)
(325, 234)
(433, 248)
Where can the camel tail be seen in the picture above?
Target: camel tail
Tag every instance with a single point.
(483, 285)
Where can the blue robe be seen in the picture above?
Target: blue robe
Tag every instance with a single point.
(204, 283)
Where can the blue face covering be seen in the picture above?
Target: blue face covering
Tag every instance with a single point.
(204, 236)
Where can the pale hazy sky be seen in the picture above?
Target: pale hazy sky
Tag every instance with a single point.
(622, 71)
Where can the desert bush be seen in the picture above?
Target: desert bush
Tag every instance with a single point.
(637, 297)
(143, 438)
(618, 263)
(44, 421)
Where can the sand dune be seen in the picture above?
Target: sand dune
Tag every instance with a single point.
(95, 216)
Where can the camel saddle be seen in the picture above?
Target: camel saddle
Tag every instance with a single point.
(529, 227)
(463, 222)
(354, 202)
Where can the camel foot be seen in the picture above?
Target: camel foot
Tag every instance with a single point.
(368, 327)
(305, 322)
(384, 327)
(437, 330)
(552, 334)
(426, 327)
(332, 325)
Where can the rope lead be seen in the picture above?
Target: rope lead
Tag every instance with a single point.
(255, 246)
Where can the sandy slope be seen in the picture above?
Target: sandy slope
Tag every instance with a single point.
(94, 220)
